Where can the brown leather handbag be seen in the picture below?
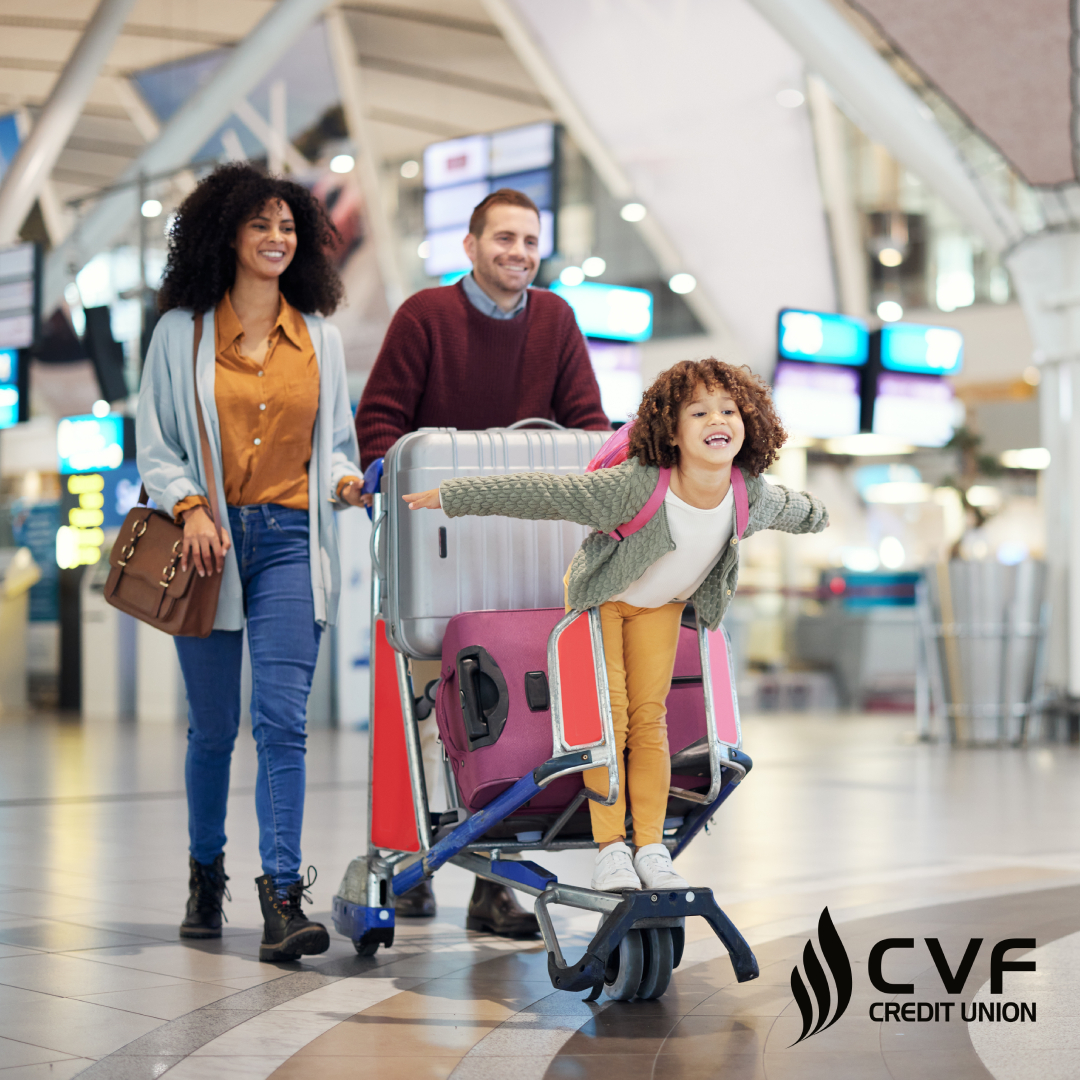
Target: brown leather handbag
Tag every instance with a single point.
(145, 578)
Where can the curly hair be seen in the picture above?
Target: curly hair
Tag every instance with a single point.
(201, 265)
(658, 416)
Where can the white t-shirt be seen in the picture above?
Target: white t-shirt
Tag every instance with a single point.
(700, 537)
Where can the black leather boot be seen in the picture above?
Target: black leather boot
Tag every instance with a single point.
(417, 903)
(494, 909)
(207, 887)
(287, 931)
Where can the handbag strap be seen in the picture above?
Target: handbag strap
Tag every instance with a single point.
(204, 441)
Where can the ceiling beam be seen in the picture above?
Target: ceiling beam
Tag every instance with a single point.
(608, 168)
(889, 111)
(452, 78)
(430, 18)
(37, 155)
(196, 120)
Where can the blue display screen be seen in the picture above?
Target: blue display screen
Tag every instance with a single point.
(9, 406)
(90, 443)
(609, 311)
(822, 338)
(922, 350)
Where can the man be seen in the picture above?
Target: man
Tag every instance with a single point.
(483, 353)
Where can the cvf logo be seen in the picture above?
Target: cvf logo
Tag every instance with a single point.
(814, 995)
(836, 960)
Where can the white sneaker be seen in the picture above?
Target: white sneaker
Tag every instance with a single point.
(614, 869)
(654, 869)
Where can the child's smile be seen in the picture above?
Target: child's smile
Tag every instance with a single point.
(711, 431)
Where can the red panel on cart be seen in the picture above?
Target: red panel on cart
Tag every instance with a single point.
(577, 682)
(393, 815)
(727, 730)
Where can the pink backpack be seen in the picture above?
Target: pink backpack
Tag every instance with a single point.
(614, 452)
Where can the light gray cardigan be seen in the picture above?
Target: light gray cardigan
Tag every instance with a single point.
(171, 465)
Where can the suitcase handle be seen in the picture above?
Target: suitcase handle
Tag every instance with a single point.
(530, 420)
(475, 722)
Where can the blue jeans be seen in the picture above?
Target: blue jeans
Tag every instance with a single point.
(271, 546)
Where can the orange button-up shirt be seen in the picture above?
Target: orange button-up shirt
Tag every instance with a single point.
(266, 411)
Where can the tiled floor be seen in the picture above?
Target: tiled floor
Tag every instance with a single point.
(899, 839)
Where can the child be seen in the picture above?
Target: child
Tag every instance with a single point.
(698, 419)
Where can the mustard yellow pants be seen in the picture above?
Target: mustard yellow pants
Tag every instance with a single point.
(639, 646)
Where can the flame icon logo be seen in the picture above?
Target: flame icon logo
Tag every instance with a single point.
(836, 959)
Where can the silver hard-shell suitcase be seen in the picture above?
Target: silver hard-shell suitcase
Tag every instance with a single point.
(432, 568)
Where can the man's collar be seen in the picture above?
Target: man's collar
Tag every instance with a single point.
(484, 303)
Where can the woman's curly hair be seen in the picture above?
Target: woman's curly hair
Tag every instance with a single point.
(201, 266)
(658, 417)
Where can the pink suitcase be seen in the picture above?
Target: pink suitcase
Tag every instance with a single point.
(500, 727)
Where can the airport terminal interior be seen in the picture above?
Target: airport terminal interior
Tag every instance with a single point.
(868, 212)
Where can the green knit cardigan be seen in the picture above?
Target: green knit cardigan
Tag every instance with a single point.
(603, 500)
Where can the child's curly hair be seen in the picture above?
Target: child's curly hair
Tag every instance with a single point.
(658, 417)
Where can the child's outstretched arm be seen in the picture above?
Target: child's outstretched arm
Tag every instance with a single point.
(600, 499)
(781, 508)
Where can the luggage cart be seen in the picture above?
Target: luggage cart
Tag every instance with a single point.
(640, 938)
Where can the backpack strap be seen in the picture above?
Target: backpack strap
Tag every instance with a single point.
(663, 482)
(742, 502)
(648, 511)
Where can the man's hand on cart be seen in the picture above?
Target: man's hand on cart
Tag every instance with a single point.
(423, 500)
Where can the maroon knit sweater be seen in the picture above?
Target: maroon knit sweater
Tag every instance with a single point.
(444, 364)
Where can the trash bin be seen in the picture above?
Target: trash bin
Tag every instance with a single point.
(108, 651)
(984, 626)
(18, 573)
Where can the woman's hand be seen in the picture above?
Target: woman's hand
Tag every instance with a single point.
(423, 500)
(352, 494)
(202, 540)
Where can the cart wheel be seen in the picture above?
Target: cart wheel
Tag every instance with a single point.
(624, 967)
(364, 947)
(659, 962)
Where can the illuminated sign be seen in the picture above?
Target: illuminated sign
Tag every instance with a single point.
(819, 401)
(609, 311)
(919, 409)
(79, 542)
(89, 443)
(16, 296)
(923, 350)
(822, 338)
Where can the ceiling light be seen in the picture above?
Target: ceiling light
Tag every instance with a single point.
(983, 495)
(151, 208)
(572, 275)
(1032, 375)
(892, 553)
(890, 256)
(593, 266)
(342, 163)
(1035, 457)
(410, 169)
(862, 560)
(100, 409)
(897, 493)
(867, 445)
(632, 211)
(424, 249)
(889, 311)
(790, 99)
(682, 283)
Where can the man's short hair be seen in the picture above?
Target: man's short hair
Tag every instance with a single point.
(503, 197)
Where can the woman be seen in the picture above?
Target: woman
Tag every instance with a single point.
(247, 255)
